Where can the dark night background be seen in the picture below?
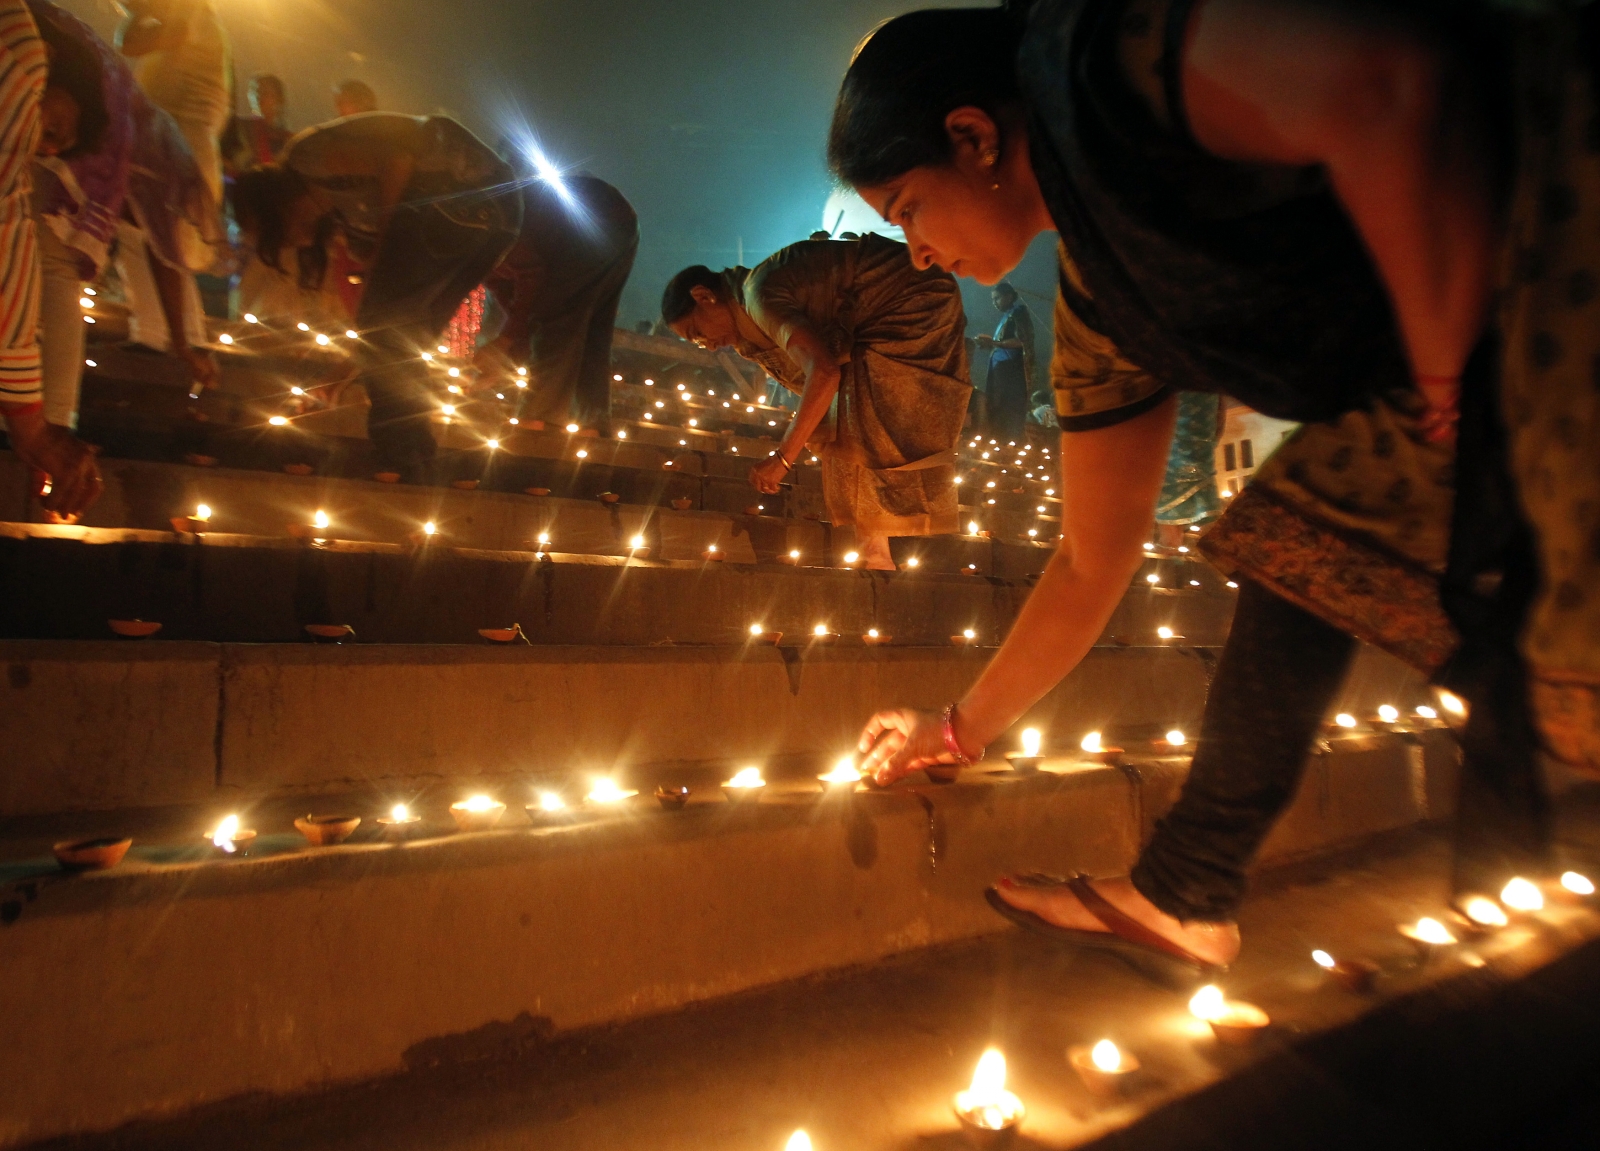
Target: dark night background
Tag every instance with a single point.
(710, 115)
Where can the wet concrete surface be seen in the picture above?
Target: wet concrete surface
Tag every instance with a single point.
(1492, 1043)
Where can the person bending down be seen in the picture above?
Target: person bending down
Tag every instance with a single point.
(560, 286)
(427, 208)
(876, 349)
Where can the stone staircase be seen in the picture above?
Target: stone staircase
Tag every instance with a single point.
(298, 967)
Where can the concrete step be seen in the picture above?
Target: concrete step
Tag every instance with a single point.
(107, 725)
(177, 980)
(66, 582)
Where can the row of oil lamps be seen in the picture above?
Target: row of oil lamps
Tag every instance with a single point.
(991, 1115)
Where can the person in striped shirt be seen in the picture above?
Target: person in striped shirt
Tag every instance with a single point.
(67, 475)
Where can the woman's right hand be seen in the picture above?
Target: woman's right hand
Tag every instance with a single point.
(901, 741)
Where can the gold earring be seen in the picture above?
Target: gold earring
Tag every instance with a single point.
(991, 159)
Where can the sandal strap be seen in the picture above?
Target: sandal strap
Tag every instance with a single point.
(1130, 929)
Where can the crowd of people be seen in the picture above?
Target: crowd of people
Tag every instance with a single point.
(1374, 221)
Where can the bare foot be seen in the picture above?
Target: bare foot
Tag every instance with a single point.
(1215, 943)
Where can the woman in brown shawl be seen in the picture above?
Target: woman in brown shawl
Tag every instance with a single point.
(875, 349)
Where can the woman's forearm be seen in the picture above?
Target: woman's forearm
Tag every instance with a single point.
(822, 384)
(1054, 631)
(1110, 479)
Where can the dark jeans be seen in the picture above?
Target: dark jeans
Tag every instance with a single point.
(1006, 391)
(569, 361)
(426, 265)
(1277, 678)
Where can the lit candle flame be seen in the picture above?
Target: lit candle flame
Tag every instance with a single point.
(550, 801)
(972, 528)
(636, 542)
(1031, 741)
(1485, 911)
(1091, 743)
(872, 633)
(852, 557)
(799, 1141)
(226, 830)
(1176, 738)
(747, 777)
(1432, 931)
(1521, 895)
(969, 633)
(321, 519)
(843, 772)
(202, 511)
(1345, 719)
(1323, 959)
(1576, 883)
(820, 629)
(400, 813)
(1152, 578)
(1388, 713)
(794, 553)
(1207, 1003)
(1165, 632)
(1105, 1056)
(987, 1103)
(477, 803)
(1454, 704)
(757, 629)
(607, 791)
(429, 528)
(1426, 712)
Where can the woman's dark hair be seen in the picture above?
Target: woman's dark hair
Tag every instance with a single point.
(261, 198)
(678, 300)
(75, 69)
(910, 74)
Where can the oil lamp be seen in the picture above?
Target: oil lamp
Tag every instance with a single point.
(987, 1111)
(875, 638)
(1232, 1022)
(1351, 974)
(399, 820)
(231, 839)
(842, 779)
(760, 634)
(1102, 1067)
(1025, 761)
(1094, 748)
(548, 808)
(477, 813)
(745, 786)
(1522, 895)
(606, 793)
(967, 638)
(1427, 935)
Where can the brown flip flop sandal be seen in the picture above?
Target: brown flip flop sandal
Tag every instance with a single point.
(1151, 955)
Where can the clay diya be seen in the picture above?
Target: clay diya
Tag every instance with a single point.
(1239, 1024)
(746, 786)
(682, 504)
(968, 638)
(1093, 749)
(942, 772)
(91, 854)
(759, 634)
(330, 632)
(478, 813)
(229, 839)
(399, 822)
(327, 830)
(606, 793)
(464, 485)
(988, 1113)
(548, 810)
(537, 491)
(842, 780)
(195, 459)
(387, 477)
(191, 525)
(303, 470)
(133, 628)
(713, 553)
(609, 497)
(672, 798)
(754, 510)
(875, 638)
(1027, 759)
(1103, 1067)
(1355, 975)
(504, 634)
(821, 634)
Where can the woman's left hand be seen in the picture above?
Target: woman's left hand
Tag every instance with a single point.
(768, 475)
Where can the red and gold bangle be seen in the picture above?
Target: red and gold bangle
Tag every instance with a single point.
(951, 743)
